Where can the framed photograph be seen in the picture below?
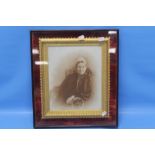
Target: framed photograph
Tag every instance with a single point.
(75, 78)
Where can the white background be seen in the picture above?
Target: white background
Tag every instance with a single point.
(81, 12)
(77, 142)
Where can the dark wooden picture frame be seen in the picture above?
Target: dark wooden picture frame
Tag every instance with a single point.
(43, 118)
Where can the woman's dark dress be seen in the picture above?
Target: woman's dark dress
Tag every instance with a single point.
(77, 85)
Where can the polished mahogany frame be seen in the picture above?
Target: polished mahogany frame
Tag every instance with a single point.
(112, 120)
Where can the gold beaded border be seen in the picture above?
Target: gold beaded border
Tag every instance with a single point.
(44, 43)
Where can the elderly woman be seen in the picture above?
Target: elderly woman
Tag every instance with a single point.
(76, 88)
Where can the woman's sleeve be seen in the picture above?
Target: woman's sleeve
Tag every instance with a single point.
(87, 90)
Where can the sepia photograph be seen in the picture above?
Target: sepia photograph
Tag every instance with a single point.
(75, 80)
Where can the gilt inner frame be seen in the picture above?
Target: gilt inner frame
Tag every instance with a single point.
(44, 43)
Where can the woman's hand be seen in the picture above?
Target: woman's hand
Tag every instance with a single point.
(74, 100)
(70, 100)
(78, 100)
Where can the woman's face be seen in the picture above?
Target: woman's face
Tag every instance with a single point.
(81, 68)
